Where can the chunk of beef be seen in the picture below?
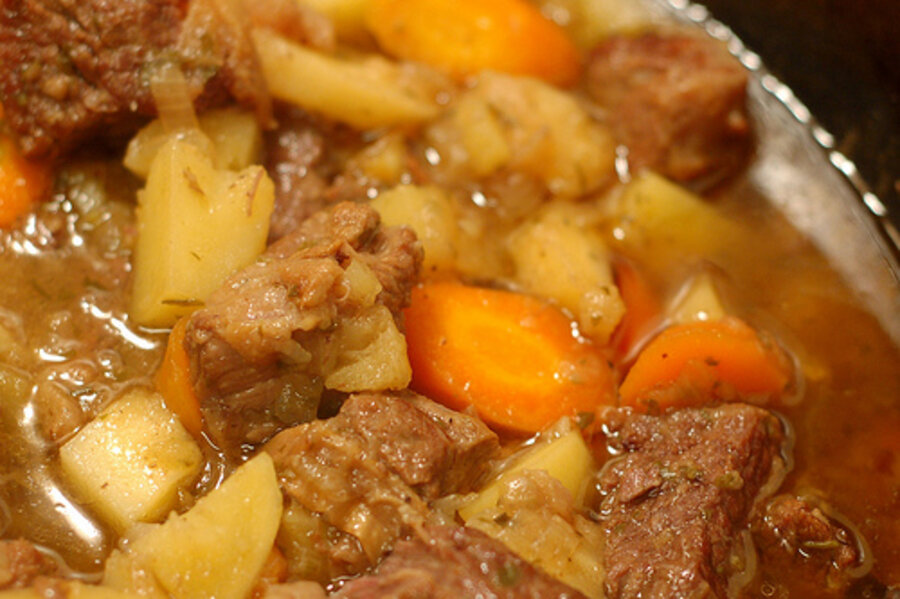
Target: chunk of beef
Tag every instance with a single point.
(73, 69)
(675, 502)
(793, 535)
(21, 563)
(258, 344)
(676, 102)
(454, 563)
(302, 167)
(368, 468)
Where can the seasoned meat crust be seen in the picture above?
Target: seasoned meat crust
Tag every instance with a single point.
(454, 563)
(368, 469)
(74, 69)
(676, 102)
(254, 346)
(675, 502)
(21, 563)
(794, 535)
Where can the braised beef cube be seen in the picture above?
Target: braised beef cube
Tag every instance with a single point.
(794, 535)
(454, 563)
(675, 502)
(255, 345)
(677, 102)
(21, 563)
(368, 468)
(74, 69)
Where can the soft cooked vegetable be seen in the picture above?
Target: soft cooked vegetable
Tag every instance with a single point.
(130, 462)
(566, 458)
(467, 36)
(643, 311)
(698, 300)
(660, 216)
(173, 381)
(196, 225)
(558, 258)
(71, 589)
(511, 357)
(348, 16)
(22, 182)
(216, 549)
(233, 139)
(365, 93)
(590, 21)
(370, 353)
(430, 212)
(695, 361)
(522, 124)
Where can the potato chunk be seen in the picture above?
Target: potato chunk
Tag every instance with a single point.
(430, 212)
(232, 136)
(196, 226)
(218, 547)
(558, 257)
(130, 461)
(565, 458)
(525, 125)
(363, 93)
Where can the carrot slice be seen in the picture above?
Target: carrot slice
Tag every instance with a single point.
(511, 357)
(720, 360)
(643, 311)
(22, 182)
(466, 36)
(173, 381)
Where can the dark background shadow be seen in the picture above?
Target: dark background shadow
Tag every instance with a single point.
(842, 59)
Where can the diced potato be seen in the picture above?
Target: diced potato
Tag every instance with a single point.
(384, 160)
(481, 134)
(130, 462)
(348, 16)
(526, 125)
(217, 548)
(370, 353)
(71, 590)
(365, 93)
(547, 531)
(698, 300)
(196, 226)
(230, 135)
(124, 572)
(557, 257)
(590, 21)
(431, 213)
(566, 458)
(654, 213)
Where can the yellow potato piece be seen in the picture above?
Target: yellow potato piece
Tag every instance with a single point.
(129, 463)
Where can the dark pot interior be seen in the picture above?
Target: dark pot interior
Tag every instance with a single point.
(842, 59)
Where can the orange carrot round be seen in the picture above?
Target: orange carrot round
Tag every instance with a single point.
(511, 357)
(466, 36)
(22, 182)
(723, 359)
(173, 381)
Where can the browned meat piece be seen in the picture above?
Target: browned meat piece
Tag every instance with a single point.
(795, 536)
(302, 166)
(21, 563)
(454, 563)
(367, 469)
(255, 347)
(73, 69)
(676, 102)
(675, 501)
